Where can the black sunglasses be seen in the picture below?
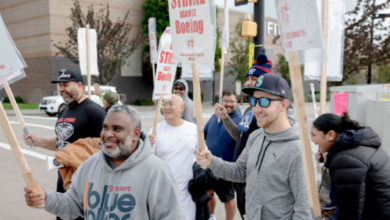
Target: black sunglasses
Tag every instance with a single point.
(263, 102)
(178, 88)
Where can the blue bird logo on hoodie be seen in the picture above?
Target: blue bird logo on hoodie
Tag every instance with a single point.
(245, 122)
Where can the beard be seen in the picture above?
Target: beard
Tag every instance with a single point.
(122, 151)
(72, 96)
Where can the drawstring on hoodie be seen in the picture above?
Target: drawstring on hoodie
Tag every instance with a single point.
(266, 147)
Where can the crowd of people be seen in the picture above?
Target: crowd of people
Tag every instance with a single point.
(252, 161)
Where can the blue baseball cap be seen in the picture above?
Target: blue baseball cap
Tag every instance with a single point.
(271, 83)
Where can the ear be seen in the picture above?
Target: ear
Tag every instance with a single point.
(136, 134)
(181, 107)
(285, 104)
(331, 136)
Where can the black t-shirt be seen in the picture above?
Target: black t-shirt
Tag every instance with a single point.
(246, 126)
(81, 121)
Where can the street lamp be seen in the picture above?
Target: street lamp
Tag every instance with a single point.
(382, 16)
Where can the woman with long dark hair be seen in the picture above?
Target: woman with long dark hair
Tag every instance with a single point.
(359, 167)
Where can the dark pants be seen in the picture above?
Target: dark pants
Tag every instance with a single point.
(240, 191)
(332, 198)
(60, 188)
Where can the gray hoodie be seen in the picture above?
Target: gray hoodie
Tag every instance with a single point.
(142, 187)
(187, 114)
(275, 180)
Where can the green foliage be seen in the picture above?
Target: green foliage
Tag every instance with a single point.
(239, 48)
(17, 99)
(383, 75)
(355, 79)
(144, 102)
(8, 106)
(190, 95)
(218, 50)
(282, 67)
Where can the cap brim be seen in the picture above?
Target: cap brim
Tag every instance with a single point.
(251, 90)
(60, 80)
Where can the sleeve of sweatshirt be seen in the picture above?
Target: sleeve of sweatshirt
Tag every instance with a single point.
(68, 205)
(163, 197)
(231, 171)
(302, 209)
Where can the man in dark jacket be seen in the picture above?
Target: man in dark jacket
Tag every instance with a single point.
(360, 173)
(221, 144)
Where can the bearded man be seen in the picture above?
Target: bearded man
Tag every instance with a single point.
(81, 118)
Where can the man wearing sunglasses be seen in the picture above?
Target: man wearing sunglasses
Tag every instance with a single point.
(180, 88)
(240, 133)
(271, 163)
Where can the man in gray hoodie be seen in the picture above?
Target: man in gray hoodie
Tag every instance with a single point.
(124, 181)
(180, 88)
(271, 163)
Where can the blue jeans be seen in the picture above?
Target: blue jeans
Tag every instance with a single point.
(332, 198)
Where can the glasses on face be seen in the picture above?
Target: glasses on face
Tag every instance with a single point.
(178, 88)
(263, 102)
(225, 101)
(168, 104)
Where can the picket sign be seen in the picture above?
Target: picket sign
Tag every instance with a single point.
(20, 159)
(301, 31)
(225, 45)
(221, 80)
(88, 61)
(198, 104)
(166, 72)
(153, 44)
(325, 11)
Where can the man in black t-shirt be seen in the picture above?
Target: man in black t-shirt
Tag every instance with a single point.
(247, 124)
(81, 118)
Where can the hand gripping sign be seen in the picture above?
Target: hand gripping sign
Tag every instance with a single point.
(300, 30)
(192, 31)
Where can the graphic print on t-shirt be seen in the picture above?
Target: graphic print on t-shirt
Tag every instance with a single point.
(64, 131)
(245, 122)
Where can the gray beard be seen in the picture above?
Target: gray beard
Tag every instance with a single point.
(71, 97)
(122, 151)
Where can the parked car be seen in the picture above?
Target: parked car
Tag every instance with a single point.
(53, 105)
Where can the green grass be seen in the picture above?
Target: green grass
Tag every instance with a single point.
(8, 106)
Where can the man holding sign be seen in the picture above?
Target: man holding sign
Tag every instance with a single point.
(81, 118)
(174, 143)
(271, 162)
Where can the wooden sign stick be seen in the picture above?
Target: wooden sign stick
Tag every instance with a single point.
(154, 73)
(299, 102)
(88, 62)
(17, 111)
(156, 117)
(198, 105)
(20, 159)
(325, 11)
(221, 80)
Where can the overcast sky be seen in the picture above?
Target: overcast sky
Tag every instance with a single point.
(270, 11)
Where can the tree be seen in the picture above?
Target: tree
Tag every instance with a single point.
(282, 67)
(359, 51)
(114, 46)
(239, 48)
(383, 74)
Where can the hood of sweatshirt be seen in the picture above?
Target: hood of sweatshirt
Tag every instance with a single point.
(352, 139)
(185, 95)
(142, 151)
(288, 135)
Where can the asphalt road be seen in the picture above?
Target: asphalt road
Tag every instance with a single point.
(12, 204)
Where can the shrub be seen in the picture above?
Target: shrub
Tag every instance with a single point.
(144, 102)
(190, 95)
(17, 99)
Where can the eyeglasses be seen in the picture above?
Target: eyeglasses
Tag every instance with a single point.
(263, 102)
(178, 88)
(229, 101)
(169, 104)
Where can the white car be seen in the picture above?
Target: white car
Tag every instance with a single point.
(53, 105)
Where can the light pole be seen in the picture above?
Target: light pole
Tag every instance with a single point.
(382, 16)
(258, 17)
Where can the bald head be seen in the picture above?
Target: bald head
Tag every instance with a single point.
(173, 107)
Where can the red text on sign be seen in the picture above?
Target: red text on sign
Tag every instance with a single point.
(166, 57)
(186, 3)
(164, 77)
(189, 27)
